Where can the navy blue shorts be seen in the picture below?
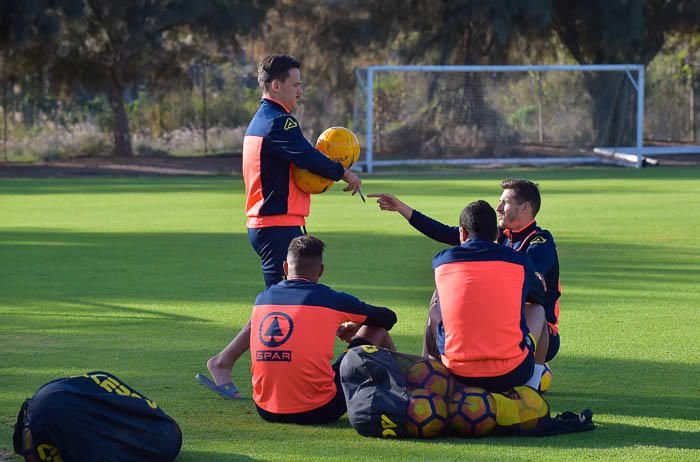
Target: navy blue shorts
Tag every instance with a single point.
(554, 343)
(329, 412)
(271, 245)
(518, 376)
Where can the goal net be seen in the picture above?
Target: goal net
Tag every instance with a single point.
(473, 115)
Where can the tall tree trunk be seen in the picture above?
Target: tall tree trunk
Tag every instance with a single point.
(120, 129)
(691, 99)
(613, 108)
(473, 97)
(4, 117)
(204, 108)
(540, 124)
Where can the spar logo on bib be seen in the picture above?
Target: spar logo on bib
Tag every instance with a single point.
(275, 329)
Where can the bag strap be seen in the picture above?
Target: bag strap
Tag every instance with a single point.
(19, 428)
(22, 437)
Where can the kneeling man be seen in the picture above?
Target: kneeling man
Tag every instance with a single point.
(482, 335)
(294, 325)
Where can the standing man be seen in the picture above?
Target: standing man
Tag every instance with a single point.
(275, 206)
(517, 208)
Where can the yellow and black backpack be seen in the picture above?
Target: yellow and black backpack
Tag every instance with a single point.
(91, 417)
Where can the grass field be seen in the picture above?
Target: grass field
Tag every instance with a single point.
(147, 278)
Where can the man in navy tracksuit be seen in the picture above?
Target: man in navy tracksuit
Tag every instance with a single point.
(275, 206)
(517, 208)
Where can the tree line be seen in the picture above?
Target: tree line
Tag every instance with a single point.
(69, 51)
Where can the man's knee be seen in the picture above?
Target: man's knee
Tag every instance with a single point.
(434, 315)
(534, 309)
(535, 318)
(430, 347)
(373, 334)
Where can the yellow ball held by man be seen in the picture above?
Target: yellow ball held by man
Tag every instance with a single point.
(338, 144)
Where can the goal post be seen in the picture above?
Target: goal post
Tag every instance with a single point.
(475, 115)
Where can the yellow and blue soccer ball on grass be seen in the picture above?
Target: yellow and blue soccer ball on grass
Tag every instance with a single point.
(338, 144)
(472, 412)
(426, 416)
(546, 379)
(529, 406)
(431, 375)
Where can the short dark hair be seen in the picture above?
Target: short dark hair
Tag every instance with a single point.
(275, 67)
(479, 219)
(305, 250)
(525, 191)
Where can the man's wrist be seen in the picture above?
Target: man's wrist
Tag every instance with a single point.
(406, 211)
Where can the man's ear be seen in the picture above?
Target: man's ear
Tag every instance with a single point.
(285, 268)
(463, 234)
(320, 271)
(275, 85)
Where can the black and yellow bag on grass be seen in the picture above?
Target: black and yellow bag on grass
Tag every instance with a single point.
(377, 396)
(94, 417)
(375, 392)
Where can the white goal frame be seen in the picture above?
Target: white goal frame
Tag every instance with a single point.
(637, 81)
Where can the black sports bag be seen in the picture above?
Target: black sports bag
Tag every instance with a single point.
(94, 417)
(375, 391)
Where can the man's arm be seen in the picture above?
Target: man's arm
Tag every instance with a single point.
(426, 225)
(535, 287)
(287, 141)
(365, 314)
(542, 253)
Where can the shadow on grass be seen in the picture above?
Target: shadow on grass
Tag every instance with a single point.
(112, 186)
(605, 436)
(109, 308)
(187, 454)
(625, 267)
(452, 185)
(60, 265)
(636, 388)
(223, 267)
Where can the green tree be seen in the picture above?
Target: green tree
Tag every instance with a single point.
(117, 45)
(28, 32)
(468, 32)
(332, 38)
(618, 32)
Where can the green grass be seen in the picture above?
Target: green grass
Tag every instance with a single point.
(147, 278)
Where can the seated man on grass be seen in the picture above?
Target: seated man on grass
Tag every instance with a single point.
(483, 336)
(518, 206)
(293, 329)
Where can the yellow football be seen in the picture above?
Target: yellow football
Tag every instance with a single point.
(338, 144)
